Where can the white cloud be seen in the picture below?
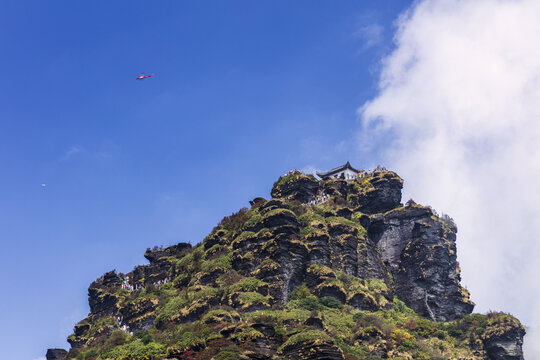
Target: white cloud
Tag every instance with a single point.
(40, 358)
(73, 150)
(370, 35)
(460, 100)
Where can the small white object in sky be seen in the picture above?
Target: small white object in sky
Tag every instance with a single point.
(43, 185)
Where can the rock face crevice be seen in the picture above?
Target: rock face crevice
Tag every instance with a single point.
(360, 249)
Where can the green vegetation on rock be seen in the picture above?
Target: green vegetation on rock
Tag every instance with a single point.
(284, 278)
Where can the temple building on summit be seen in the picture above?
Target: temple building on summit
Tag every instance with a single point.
(346, 172)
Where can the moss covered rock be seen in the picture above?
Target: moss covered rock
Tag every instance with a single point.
(357, 277)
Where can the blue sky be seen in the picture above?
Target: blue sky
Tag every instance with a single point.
(243, 91)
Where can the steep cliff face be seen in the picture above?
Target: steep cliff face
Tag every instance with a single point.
(414, 247)
(420, 252)
(503, 339)
(323, 270)
(110, 308)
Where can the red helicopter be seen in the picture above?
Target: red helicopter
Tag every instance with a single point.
(140, 77)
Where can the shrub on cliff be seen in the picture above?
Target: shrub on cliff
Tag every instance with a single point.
(172, 307)
(235, 221)
(117, 337)
(305, 336)
(331, 302)
(135, 350)
(287, 178)
(228, 353)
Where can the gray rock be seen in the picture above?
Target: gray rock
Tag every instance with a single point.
(303, 188)
(507, 346)
(419, 249)
(56, 354)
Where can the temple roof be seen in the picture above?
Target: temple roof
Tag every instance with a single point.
(338, 169)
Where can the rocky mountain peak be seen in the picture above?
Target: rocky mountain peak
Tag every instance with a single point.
(336, 265)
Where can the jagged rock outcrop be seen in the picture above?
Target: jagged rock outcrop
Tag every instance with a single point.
(508, 347)
(303, 275)
(159, 263)
(376, 193)
(296, 186)
(313, 350)
(111, 307)
(419, 250)
(503, 339)
(103, 303)
(56, 354)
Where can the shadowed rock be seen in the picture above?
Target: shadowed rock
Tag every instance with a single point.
(56, 354)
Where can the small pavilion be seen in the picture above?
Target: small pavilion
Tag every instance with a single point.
(346, 172)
